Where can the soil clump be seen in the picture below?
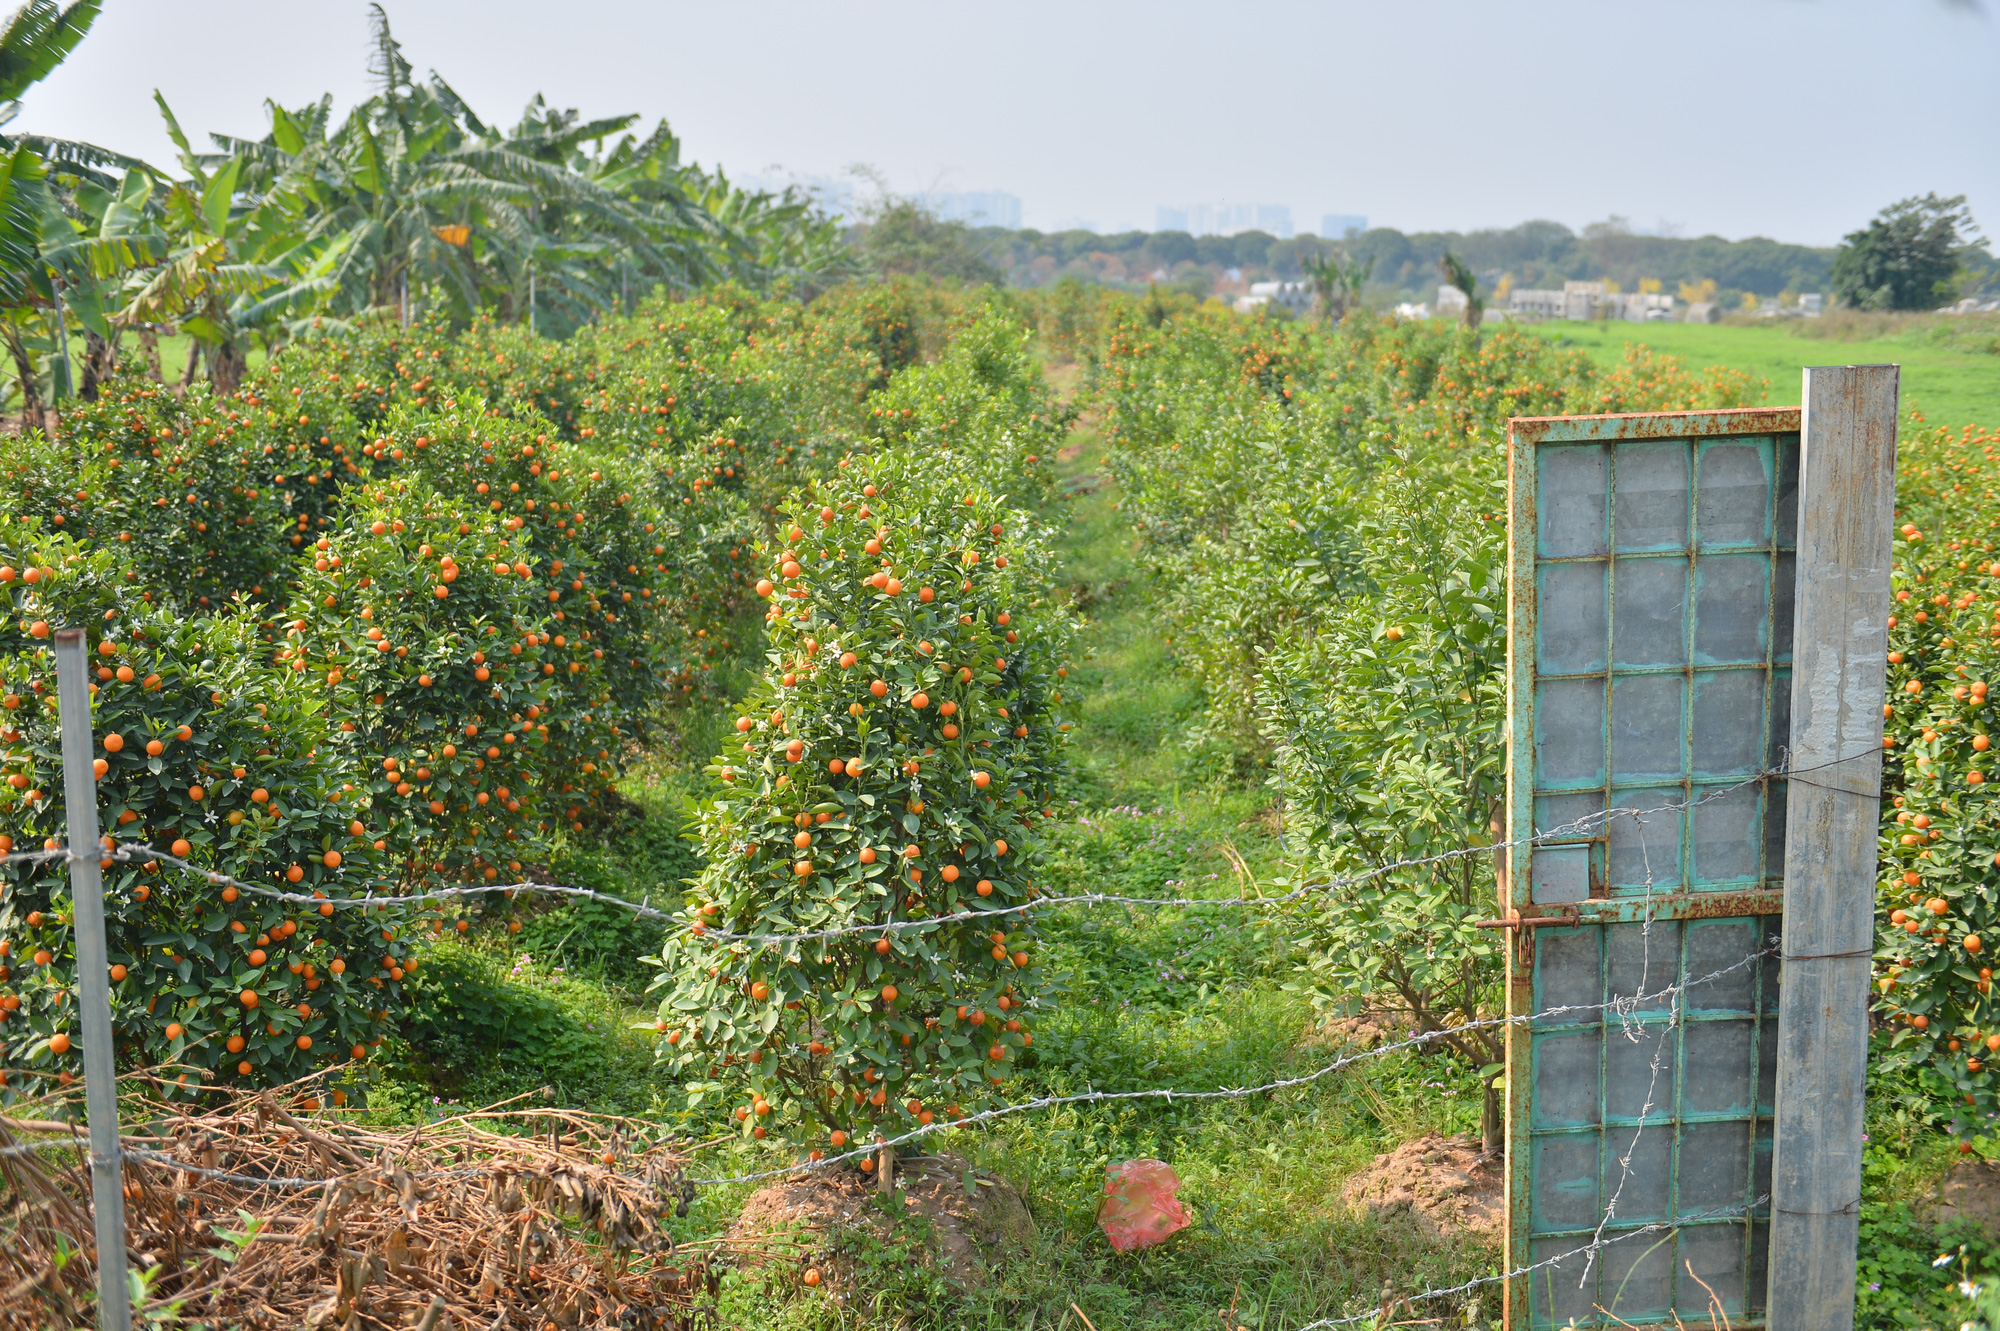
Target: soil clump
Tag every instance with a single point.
(824, 1220)
(1443, 1182)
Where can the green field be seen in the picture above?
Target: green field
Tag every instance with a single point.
(1947, 384)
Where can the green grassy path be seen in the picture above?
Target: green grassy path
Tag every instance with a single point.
(1194, 1000)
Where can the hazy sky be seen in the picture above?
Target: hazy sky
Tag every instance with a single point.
(1790, 118)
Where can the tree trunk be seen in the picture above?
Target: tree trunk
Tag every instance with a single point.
(100, 362)
(149, 342)
(194, 361)
(24, 370)
(227, 364)
(885, 1170)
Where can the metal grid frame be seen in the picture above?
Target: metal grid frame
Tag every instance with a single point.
(1698, 1138)
(1653, 905)
(1702, 666)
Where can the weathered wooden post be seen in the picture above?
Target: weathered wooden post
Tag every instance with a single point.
(93, 979)
(1847, 501)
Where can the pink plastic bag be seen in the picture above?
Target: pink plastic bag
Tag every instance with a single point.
(1140, 1208)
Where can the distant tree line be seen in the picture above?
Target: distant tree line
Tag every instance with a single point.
(1405, 266)
(1539, 253)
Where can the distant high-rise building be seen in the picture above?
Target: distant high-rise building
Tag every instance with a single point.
(975, 207)
(831, 196)
(1338, 226)
(1225, 219)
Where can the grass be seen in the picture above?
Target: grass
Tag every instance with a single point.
(490, 1024)
(132, 357)
(1945, 376)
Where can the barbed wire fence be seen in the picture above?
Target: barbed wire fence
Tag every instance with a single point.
(1623, 1007)
(1588, 823)
(1626, 1010)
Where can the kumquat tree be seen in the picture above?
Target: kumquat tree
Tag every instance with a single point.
(433, 661)
(892, 768)
(1940, 849)
(219, 761)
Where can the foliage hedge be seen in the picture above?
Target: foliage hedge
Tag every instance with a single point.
(429, 590)
(1939, 892)
(1324, 516)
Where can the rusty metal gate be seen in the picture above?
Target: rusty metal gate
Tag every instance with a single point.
(1650, 622)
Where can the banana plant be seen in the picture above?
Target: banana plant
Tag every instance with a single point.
(38, 37)
(411, 202)
(219, 255)
(24, 200)
(791, 246)
(94, 252)
(421, 203)
(1337, 279)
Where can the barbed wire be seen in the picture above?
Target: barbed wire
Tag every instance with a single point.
(140, 850)
(1610, 1209)
(1596, 1245)
(15, 1149)
(1620, 1004)
(34, 856)
(1577, 827)
(1623, 1005)
(127, 851)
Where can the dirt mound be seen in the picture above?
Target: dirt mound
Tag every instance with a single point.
(1353, 1033)
(1971, 1191)
(1443, 1181)
(965, 1235)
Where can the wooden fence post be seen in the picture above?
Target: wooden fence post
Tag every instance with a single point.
(1847, 504)
(93, 978)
